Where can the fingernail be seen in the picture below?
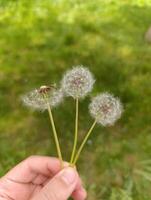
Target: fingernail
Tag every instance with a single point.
(68, 175)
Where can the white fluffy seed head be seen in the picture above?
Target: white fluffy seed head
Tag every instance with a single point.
(77, 82)
(35, 99)
(106, 109)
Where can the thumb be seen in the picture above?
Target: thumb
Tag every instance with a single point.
(61, 186)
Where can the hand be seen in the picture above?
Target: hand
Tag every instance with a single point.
(40, 178)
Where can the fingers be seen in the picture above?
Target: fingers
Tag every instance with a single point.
(62, 186)
(28, 169)
(79, 194)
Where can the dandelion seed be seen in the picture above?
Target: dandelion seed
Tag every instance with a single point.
(106, 109)
(35, 99)
(77, 82)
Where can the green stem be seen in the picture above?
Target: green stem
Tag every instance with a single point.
(83, 143)
(76, 131)
(54, 132)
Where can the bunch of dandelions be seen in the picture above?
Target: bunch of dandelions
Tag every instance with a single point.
(76, 83)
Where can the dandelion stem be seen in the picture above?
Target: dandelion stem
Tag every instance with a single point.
(76, 132)
(54, 132)
(84, 142)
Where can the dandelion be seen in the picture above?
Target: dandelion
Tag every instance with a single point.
(46, 97)
(77, 83)
(35, 99)
(105, 109)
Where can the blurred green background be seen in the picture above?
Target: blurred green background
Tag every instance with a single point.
(39, 41)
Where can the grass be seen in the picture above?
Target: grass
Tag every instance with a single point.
(39, 41)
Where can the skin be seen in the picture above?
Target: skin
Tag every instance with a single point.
(40, 178)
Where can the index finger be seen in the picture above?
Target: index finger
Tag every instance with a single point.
(28, 169)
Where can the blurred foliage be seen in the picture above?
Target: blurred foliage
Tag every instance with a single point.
(39, 40)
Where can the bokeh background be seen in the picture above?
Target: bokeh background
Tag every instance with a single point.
(39, 41)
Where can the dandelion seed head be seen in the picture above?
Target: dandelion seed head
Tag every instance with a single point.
(106, 109)
(36, 100)
(77, 82)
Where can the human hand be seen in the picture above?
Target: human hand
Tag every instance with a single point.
(40, 178)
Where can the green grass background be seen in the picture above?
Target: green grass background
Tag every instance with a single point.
(39, 41)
